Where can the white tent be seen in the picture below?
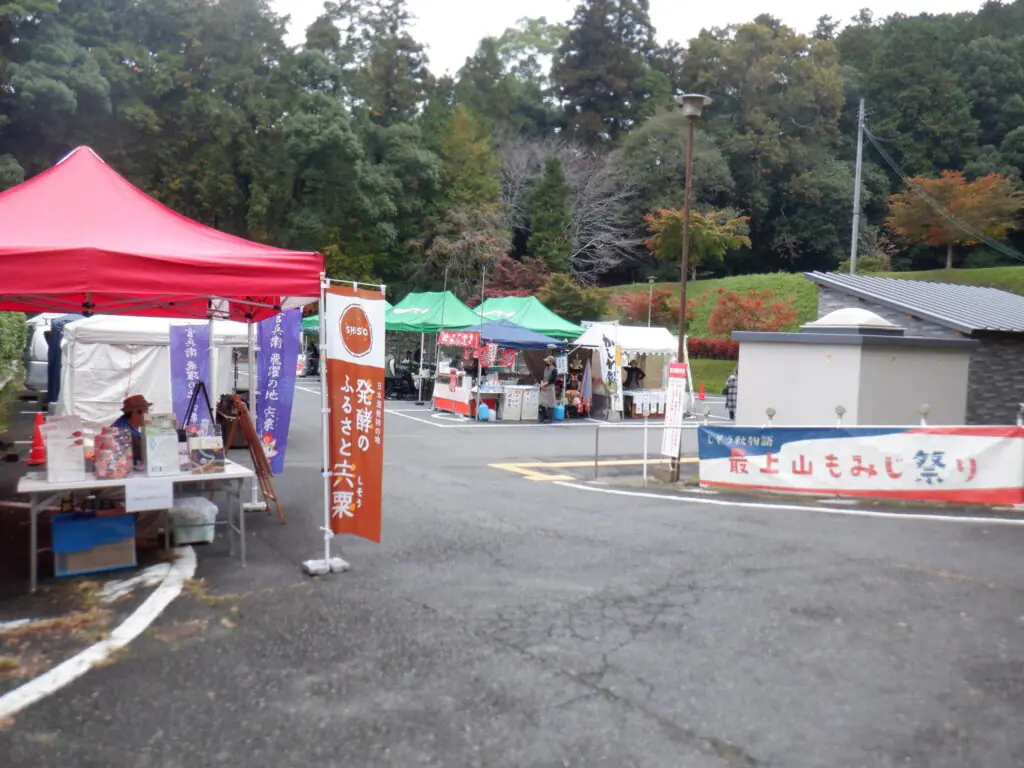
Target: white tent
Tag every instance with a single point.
(106, 357)
(632, 339)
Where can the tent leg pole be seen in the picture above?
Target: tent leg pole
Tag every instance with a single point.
(254, 382)
(328, 564)
(419, 390)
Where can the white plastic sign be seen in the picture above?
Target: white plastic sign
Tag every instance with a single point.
(146, 494)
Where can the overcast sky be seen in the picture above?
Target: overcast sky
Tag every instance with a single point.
(451, 29)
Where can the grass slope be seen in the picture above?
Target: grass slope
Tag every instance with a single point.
(799, 292)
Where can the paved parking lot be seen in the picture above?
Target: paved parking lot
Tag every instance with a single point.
(509, 622)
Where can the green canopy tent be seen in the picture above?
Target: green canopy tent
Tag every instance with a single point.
(429, 313)
(425, 313)
(528, 312)
(311, 324)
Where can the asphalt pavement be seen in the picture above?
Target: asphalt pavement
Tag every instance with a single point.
(509, 622)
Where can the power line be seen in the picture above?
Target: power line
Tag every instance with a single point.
(1002, 248)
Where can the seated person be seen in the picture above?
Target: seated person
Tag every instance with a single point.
(133, 416)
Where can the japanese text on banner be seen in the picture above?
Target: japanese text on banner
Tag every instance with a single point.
(355, 385)
(459, 339)
(675, 410)
(190, 358)
(279, 350)
(983, 465)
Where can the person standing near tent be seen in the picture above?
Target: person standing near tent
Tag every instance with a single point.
(634, 376)
(730, 391)
(547, 390)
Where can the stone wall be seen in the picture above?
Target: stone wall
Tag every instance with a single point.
(996, 378)
(996, 383)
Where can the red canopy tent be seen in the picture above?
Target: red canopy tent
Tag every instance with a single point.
(80, 238)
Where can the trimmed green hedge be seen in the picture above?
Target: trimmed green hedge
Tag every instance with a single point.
(12, 340)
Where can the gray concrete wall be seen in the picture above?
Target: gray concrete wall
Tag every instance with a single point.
(896, 381)
(803, 383)
(996, 378)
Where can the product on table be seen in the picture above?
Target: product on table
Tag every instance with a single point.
(65, 449)
(207, 455)
(160, 448)
(113, 453)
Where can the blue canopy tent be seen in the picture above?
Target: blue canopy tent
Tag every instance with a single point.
(56, 334)
(507, 334)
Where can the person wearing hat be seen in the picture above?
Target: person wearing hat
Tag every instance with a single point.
(547, 390)
(133, 416)
(148, 525)
(634, 375)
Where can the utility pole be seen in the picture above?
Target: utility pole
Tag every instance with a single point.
(856, 189)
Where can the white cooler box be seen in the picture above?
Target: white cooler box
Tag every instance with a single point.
(193, 520)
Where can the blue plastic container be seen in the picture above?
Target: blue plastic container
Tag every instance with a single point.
(483, 412)
(87, 544)
(559, 413)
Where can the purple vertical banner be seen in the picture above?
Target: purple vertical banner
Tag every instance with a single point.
(190, 360)
(278, 337)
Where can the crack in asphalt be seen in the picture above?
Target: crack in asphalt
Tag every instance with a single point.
(617, 611)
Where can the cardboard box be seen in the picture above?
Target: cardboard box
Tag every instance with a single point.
(92, 544)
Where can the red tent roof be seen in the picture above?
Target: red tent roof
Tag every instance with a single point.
(79, 237)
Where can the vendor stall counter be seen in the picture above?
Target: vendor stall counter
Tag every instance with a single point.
(645, 403)
(43, 494)
(454, 393)
(511, 402)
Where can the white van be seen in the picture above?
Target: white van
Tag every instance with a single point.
(36, 356)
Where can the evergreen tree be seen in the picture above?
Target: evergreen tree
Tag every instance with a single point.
(601, 72)
(470, 166)
(549, 203)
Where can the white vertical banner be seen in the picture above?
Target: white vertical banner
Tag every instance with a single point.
(675, 408)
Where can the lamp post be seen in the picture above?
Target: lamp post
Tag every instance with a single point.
(650, 298)
(691, 104)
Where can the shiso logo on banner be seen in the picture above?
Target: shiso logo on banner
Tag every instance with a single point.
(356, 332)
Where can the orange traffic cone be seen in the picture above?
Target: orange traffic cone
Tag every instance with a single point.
(38, 454)
(700, 395)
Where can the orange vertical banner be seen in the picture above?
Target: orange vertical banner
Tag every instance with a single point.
(354, 330)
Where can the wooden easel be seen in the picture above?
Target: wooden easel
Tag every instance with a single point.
(259, 459)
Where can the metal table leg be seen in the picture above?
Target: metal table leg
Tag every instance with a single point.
(241, 516)
(39, 502)
(33, 578)
(232, 494)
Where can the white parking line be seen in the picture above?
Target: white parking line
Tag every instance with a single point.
(50, 682)
(695, 499)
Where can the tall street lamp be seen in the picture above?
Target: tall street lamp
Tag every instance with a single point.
(692, 104)
(650, 298)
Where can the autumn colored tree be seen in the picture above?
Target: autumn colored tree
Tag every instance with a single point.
(712, 235)
(514, 277)
(931, 211)
(664, 305)
(632, 308)
(753, 311)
